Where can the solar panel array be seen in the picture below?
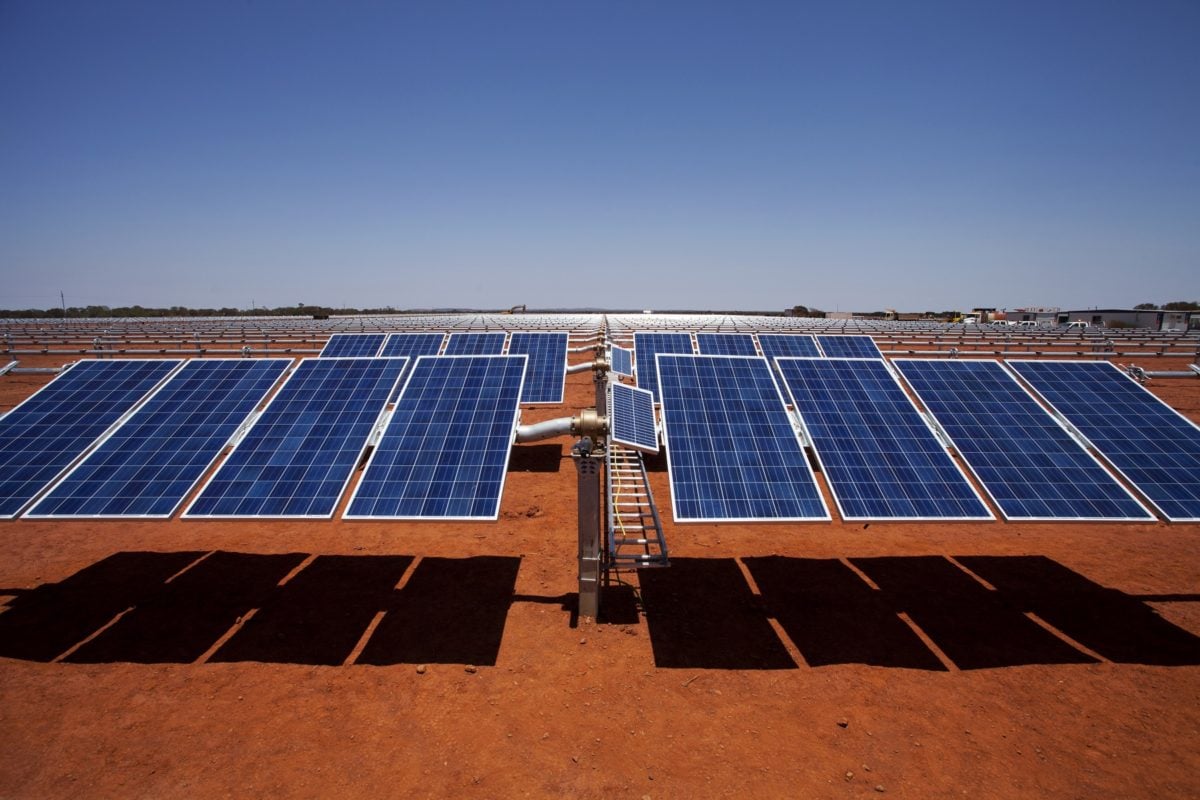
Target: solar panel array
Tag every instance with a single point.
(476, 344)
(631, 417)
(726, 344)
(546, 371)
(1155, 447)
(876, 451)
(46, 433)
(731, 450)
(622, 360)
(647, 345)
(776, 345)
(1032, 468)
(445, 450)
(352, 345)
(298, 456)
(148, 465)
(849, 347)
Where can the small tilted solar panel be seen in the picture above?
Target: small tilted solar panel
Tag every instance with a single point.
(622, 361)
(648, 344)
(726, 344)
(877, 453)
(631, 418)
(849, 347)
(147, 466)
(297, 458)
(732, 453)
(776, 345)
(46, 433)
(546, 372)
(352, 345)
(1032, 468)
(476, 344)
(412, 344)
(445, 450)
(1154, 446)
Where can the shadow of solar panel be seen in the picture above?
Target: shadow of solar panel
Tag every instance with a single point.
(1024, 458)
(877, 453)
(297, 458)
(445, 450)
(1151, 444)
(546, 372)
(148, 465)
(42, 436)
(732, 453)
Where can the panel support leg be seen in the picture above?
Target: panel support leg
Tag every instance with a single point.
(587, 466)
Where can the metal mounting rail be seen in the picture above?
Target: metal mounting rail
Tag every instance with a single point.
(635, 535)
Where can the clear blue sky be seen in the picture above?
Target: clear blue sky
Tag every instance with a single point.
(842, 155)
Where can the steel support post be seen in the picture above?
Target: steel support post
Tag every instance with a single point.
(587, 465)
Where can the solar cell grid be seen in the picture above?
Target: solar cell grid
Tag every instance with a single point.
(877, 453)
(726, 344)
(631, 417)
(42, 436)
(445, 450)
(546, 371)
(412, 344)
(1154, 446)
(475, 344)
(1032, 468)
(648, 344)
(622, 361)
(297, 458)
(352, 345)
(147, 466)
(849, 347)
(732, 453)
(775, 345)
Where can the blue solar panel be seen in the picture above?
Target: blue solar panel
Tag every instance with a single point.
(878, 455)
(726, 344)
(647, 345)
(476, 344)
(546, 372)
(297, 458)
(622, 360)
(352, 345)
(732, 453)
(1154, 446)
(149, 464)
(412, 344)
(776, 345)
(849, 347)
(445, 450)
(42, 436)
(631, 418)
(1032, 468)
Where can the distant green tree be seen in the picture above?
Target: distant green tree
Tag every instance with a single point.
(1145, 306)
(1182, 305)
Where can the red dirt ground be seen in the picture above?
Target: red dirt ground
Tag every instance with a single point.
(1074, 671)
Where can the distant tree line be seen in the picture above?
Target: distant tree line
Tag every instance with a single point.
(298, 310)
(1174, 305)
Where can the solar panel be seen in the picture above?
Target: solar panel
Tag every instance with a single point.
(352, 345)
(849, 347)
(147, 466)
(1032, 468)
(546, 372)
(1154, 446)
(631, 418)
(726, 344)
(649, 344)
(622, 360)
(879, 456)
(297, 458)
(445, 450)
(732, 453)
(776, 345)
(43, 435)
(412, 344)
(476, 344)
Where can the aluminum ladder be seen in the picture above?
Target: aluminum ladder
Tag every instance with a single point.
(635, 535)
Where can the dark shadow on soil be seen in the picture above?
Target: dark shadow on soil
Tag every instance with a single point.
(536, 458)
